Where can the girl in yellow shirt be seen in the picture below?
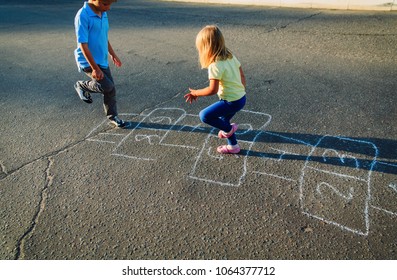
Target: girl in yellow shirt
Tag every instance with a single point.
(226, 79)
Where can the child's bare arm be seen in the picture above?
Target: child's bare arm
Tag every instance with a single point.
(96, 71)
(210, 90)
(113, 56)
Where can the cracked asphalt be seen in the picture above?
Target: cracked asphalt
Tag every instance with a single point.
(317, 176)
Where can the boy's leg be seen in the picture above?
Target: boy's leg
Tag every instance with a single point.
(109, 94)
(104, 86)
(90, 86)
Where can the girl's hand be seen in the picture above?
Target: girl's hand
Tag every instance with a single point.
(190, 97)
(116, 60)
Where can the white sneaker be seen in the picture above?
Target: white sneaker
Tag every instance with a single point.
(84, 95)
(117, 121)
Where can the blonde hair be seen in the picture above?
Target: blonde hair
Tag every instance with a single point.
(211, 47)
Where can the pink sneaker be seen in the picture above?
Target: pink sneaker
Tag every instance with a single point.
(224, 149)
(222, 134)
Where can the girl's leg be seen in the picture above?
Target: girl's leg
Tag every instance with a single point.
(232, 140)
(214, 114)
(219, 115)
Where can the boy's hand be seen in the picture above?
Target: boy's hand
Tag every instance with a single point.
(190, 97)
(116, 60)
(97, 74)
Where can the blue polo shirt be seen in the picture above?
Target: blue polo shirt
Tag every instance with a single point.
(92, 29)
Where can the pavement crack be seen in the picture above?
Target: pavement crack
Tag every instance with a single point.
(4, 174)
(40, 208)
(277, 28)
(3, 171)
(43, 194)
(309, 16)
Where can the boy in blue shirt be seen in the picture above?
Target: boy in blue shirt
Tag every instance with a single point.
(93, 47)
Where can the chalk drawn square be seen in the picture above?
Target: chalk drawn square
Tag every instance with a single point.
(384, 190)
(162, 118)
(213, 167)
(107, 137)
(143, 142)
(278, 156)
(188, 132)
(341, 167)
(341, 201)
(340, 155)
(250, 124)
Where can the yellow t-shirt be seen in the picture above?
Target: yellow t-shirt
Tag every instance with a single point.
(228, 74)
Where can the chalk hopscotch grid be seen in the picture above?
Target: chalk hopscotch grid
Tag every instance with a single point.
(204, 149)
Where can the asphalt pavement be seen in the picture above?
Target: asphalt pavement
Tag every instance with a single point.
(316, 177)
